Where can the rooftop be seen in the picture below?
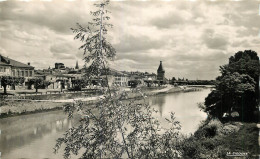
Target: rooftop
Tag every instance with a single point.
(160, 68)
(7, 61)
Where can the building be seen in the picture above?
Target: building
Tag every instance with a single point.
(59, 66)
(150, 76)
(10, 67)
(115, 78)
(57, 80)
(5, 68)
(120, 79)
(160, 73)
(77, 66)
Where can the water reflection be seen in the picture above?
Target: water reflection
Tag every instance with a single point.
(158, 101)
(34, 136)
(21, 133)
(185, 107)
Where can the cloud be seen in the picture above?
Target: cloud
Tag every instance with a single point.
(129, 43)
(212, 56)
(168, 20)
(214, 41)
(191, 38)
(61, 48)
(3, 52)
(58, 16)
(243, 43)
(65, 56)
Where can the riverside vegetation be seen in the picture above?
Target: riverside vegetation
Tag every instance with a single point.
(116, 129)
(214, 139)
(232, 109)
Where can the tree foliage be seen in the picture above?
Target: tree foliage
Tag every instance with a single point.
(122, 129)
(134, 83)
(77, 84)
(10, 81)
(237, 87)
(97, 49)
(116, 126)
(38, 83)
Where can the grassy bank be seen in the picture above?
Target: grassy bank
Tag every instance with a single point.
(23, 107)
(216, 140)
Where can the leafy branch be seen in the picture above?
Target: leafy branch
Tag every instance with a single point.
(115, 126)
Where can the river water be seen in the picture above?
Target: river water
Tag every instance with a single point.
(34, 136)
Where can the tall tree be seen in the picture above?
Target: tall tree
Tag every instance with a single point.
(97, 49)
(231, 94)
(244, 62)
(112, 128)
(237, 87)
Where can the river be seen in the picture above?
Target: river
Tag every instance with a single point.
(34, 136)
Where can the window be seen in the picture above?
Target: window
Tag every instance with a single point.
(26, 73)
(18, 73)
(2, 69)
(13, 72)
(23, 73)
(31, 73)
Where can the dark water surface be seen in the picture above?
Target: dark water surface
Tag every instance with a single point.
(34, 136)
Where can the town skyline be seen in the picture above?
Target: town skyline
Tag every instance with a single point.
(184, 35)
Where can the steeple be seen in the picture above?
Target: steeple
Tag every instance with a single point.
(160, 68)
(160, 73)
(77, 65)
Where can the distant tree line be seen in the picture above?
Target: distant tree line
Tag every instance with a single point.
(191, 82)
(39, 83)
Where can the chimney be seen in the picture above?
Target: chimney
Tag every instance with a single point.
(29, 63)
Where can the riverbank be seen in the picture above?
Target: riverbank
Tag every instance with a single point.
(29, 106)
(24, 107)
(214, 139)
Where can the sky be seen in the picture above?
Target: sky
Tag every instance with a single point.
(191, 38)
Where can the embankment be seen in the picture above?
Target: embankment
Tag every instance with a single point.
(42, 103)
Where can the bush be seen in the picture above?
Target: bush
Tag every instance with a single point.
(2, 99)
(203, 144)
(208, 129)
(229, 129)
(189, 147)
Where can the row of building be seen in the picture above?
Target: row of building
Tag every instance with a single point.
(61, 76)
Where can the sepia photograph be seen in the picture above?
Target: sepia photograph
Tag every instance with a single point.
(132, 79)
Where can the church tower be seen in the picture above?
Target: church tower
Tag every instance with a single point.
(77, 66)
(160, 72)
